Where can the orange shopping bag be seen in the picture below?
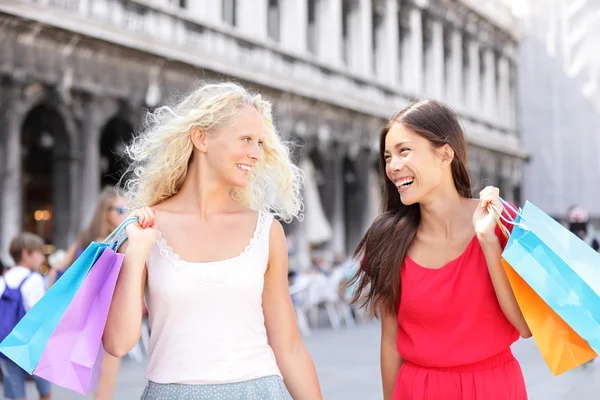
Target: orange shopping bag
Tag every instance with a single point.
(561, 347)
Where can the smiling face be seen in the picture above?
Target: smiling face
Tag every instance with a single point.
(234, 150)
(414, 166)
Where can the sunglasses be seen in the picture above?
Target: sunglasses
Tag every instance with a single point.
(120, 210)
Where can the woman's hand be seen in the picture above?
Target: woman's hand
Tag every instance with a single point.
(484, 222)
(144, 233)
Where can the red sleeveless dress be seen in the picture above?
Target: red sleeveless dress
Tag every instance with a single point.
(453, 335)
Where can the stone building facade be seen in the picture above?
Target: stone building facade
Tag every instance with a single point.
(76, 76)
(559, 95)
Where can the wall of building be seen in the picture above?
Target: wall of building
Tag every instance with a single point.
(336, 70)
(559, 102)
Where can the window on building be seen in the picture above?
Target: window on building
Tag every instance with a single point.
(498, 89)
(274, 20)
(115, 134)
(346, 41)
(466, 62)
(403, 42)
(427, 55)
(229, 7)
(481, 87)
(312, 29)
(183, 3)
(377, 34)
(448, 59)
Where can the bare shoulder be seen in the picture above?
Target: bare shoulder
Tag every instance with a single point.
(277, 241)
(277, 232)
(472, 204)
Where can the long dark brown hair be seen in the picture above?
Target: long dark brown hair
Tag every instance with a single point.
(386, 243)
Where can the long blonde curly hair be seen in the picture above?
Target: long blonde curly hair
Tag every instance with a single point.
(160, 155)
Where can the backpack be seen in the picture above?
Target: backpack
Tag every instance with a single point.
(12, 309)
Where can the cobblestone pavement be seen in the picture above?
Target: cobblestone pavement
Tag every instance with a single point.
(348, 367)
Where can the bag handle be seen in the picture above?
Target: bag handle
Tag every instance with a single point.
(118, 236)
(499, 216)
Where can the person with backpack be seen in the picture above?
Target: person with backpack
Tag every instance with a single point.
(20, 288)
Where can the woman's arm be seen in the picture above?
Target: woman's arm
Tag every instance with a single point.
(391, 361)
(493, 257)
(124, 322)
(292, 357)
(485, 224)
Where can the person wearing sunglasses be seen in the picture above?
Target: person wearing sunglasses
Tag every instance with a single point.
(108, 214)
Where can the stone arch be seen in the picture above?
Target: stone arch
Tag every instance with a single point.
(114, 136)
(356, 175)
(47, 164)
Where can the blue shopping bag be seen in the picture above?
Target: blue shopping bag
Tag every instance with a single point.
(561, 268)
(27, 341)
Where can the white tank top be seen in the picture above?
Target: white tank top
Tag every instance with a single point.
(206, 319)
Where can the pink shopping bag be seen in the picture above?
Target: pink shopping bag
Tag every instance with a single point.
(73, 356)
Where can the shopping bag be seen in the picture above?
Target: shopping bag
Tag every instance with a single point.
(27, 341)
(25, 344)
(562, 348)
(73, 355)
(562, 269)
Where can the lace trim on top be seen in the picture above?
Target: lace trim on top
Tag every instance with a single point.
(167, 252)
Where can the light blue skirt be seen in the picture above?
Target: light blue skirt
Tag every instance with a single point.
(267, 388)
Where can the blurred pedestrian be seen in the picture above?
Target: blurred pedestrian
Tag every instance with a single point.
(579, 223)
(107, 216)
(21, 287)
(432, 271)
(222, 322)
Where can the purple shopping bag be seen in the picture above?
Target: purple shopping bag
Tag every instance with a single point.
(73, 356)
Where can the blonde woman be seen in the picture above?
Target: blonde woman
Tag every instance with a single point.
(208, 176)
(107, 216)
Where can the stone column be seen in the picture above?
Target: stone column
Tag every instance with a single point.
(65, 165)
(212, 11)
(437, 59)
(338, 223)
(363, 59)
(413, 61)
(84, 7)
(90, 180)
(506, 173)
(455, 85)
(512, 95)
(489, 84)
(388, 60)
(97, 113)
(251, 17)
(329, 20)
(294, 24)
(474, 78)
(503, 106)
(12, 194)
(357, 196)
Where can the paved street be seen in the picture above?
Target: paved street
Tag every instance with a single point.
(348, 367)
